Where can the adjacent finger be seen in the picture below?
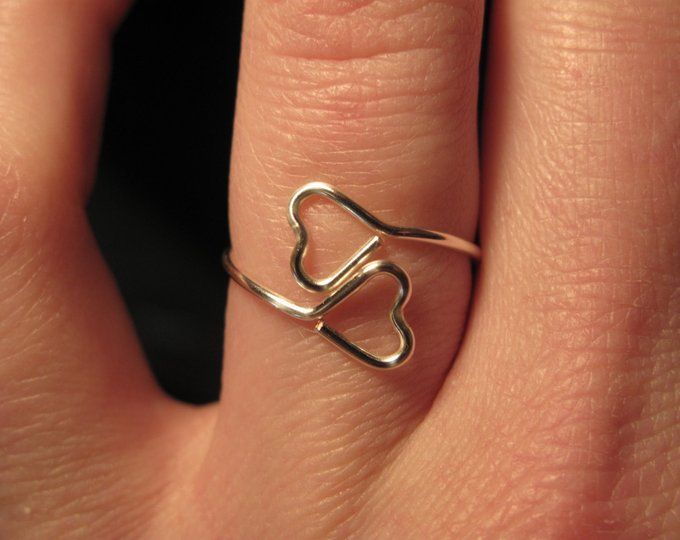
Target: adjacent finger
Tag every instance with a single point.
(77, 403)
(573, 343)
(379, 99)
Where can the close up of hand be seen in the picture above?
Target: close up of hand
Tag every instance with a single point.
(543, 398)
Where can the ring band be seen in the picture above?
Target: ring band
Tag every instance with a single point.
(351, 276)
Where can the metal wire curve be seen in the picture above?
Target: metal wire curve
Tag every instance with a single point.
(379, 227)
(351, 276)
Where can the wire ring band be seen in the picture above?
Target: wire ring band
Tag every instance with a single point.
(351, 275)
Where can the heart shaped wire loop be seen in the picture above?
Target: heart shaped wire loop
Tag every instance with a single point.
(404, 331)
(379, 227)
(352, 275)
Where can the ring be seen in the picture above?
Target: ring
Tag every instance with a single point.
(351, 275)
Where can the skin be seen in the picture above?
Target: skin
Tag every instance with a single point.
(543, 398)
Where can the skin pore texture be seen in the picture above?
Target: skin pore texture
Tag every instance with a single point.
(543, 398)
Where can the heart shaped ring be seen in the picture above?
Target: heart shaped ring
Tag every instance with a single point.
(351, 276)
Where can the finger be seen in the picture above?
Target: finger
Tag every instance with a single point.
(573, 339)
(75, 395)
(378, 99)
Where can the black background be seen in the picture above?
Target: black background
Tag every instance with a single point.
(159, 205)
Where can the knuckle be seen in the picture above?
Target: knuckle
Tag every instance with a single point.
(324, 30)
(355, 60)
(350, 85)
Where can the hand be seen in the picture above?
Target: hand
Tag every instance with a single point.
(543, 398)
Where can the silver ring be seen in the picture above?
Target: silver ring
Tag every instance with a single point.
(351, 275)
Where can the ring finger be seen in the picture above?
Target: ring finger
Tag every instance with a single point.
(379, 99)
